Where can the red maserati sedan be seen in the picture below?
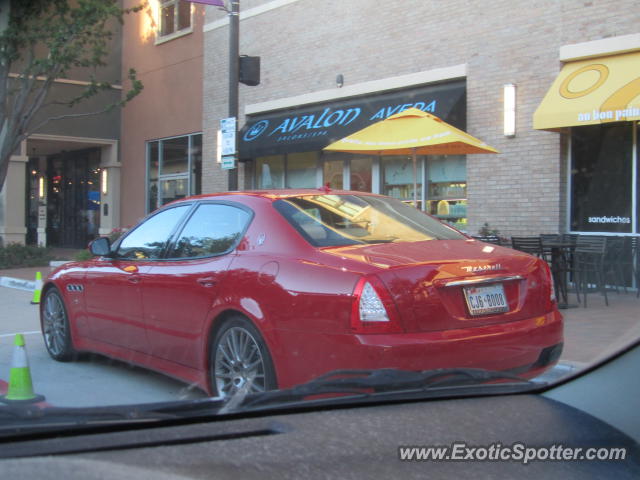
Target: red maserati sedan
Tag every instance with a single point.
(270, 289)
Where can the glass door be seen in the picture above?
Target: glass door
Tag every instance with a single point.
(73, 199)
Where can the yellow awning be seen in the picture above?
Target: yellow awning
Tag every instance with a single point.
(593, 91)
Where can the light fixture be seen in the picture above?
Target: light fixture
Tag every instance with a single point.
(105, 181)
(509, 110)
(41, 187)
(340, 80)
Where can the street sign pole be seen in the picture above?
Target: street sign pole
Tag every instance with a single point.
(234, 72)
(229, 129)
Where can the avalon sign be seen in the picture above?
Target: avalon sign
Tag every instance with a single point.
(314, 127)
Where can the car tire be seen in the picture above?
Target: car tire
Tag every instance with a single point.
(240, 360)
(56, 329)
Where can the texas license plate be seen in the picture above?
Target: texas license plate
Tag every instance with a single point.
(486, 299)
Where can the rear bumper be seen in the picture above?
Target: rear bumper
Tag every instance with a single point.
(527, 348)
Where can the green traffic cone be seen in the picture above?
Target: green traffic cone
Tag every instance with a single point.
(38, 290)
(20, 385)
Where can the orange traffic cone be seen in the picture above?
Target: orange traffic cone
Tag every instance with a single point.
(20, 385)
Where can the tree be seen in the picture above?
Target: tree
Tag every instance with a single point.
(41, 41)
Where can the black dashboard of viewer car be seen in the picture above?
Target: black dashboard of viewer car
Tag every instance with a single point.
(363, 442)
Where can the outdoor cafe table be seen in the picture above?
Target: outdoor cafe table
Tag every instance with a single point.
(560, 259)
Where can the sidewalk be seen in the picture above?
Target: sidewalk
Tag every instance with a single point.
(596, 331)
(591, 333)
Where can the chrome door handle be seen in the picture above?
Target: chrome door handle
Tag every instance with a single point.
(134, 279)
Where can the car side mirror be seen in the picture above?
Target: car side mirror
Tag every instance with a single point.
(100, 247)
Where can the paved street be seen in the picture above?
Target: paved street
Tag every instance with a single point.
(590, 334)
(89, 381)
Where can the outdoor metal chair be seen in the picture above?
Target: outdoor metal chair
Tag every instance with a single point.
(622, 255)
(590, 266)
(532, 245)
(549, 237)
(570, 238)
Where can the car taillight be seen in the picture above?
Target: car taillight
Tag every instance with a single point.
(552, 288)
(373, 309)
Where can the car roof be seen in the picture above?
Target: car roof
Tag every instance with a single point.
(276, 194)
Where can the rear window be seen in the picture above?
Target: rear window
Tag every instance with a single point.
(337, 220)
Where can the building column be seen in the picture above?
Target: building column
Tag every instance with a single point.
(109, 190)
(12, 200)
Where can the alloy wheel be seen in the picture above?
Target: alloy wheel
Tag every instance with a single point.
(239, 363)
(55, 326)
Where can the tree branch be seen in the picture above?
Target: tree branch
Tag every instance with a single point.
(44, 39)
(73, 115)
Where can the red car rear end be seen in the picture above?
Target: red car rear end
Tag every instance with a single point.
(453, 302)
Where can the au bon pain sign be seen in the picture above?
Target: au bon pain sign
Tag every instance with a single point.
(591, 92)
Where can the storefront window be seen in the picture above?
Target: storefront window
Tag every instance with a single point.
(33, 200)
(154, 169)
(447, 189)
(301, 170)
(398, 176)
(175, 156)
(174, 189)
(174, 167)
(333, 171)
(196, 164)
(601, 178)
(361, 174)
(270, 172)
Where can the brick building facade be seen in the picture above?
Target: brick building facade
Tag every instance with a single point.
(382, 47)
(339, 56)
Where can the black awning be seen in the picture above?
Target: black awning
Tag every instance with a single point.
(313, 127)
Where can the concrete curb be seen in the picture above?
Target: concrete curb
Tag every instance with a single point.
(57, 263)
(18, 283)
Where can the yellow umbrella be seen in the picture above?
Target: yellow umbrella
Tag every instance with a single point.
(411, 132)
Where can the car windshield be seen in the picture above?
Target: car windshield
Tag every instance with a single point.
(334, 220)
(215, 207)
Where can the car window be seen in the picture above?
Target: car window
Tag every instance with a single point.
(335, 220)
(213, 229)
(148, 240)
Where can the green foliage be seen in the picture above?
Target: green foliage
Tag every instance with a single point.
(44, 40)
(487, 231)
(65, 33)
(116, 233)
(15, 255)
(82, 256)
